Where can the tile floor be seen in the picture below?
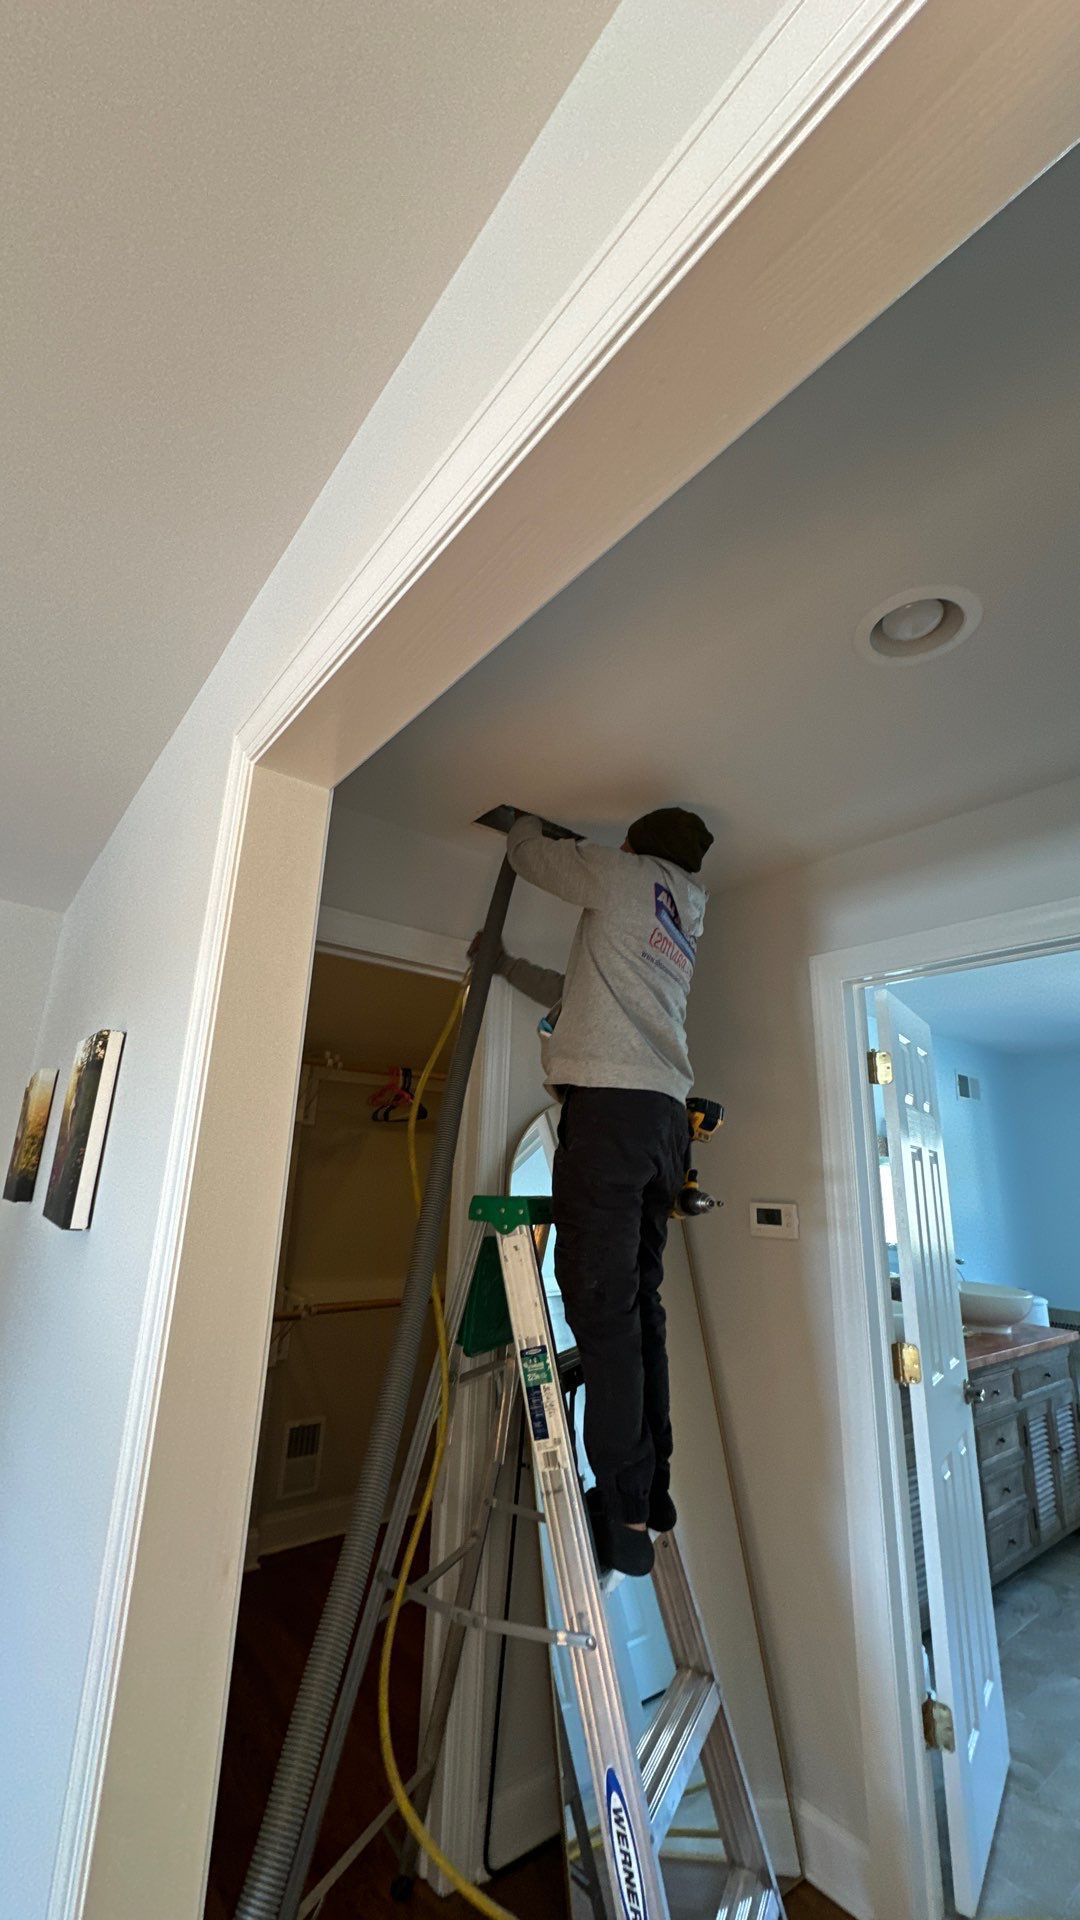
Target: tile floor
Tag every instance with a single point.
(1034, 1871)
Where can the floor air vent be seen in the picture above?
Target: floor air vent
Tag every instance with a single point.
(302, 1460)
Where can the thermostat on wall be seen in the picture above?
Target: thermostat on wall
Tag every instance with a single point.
(774, 1219)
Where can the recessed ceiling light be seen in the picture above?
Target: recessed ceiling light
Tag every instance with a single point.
(914, 620)
(911, 626)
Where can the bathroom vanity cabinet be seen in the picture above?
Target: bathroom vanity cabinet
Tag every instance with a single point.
(1027, 1435)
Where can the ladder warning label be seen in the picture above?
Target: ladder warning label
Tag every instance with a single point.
(624, 1853)
(536, 1373)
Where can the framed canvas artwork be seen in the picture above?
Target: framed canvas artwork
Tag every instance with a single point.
(84, 1122)
(34, 1114)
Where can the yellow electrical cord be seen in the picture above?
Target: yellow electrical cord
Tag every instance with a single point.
(473, 1894)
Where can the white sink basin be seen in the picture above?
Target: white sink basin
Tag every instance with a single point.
(986, 1306)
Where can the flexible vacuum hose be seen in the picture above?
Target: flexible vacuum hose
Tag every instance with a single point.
(269, 1871)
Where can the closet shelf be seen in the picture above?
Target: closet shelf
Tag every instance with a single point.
(320, 1308)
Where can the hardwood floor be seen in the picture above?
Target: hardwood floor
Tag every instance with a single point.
(279, 1608)
(806, 1903)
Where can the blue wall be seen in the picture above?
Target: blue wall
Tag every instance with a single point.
(1014, 1166)
(1045, 1150)
(980, 1154)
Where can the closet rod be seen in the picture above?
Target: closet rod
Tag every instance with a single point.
(336, 1306)
(435, 1080)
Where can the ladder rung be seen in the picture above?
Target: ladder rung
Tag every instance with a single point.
(670, 1747)
(510, 1629)
(748, 1898)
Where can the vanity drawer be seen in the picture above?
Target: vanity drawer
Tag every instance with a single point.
(1002, 1485)
(1044, 1370)
(996, 1437)
(1010, 1539)
(999, 1388)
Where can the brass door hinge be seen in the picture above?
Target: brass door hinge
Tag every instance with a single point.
(907, 1364)
(879, 1067)
(939, 1732)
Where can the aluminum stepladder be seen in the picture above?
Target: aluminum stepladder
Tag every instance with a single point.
(638, 1792)
(493, 1360)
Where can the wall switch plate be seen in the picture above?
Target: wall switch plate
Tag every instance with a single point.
(774, 1219)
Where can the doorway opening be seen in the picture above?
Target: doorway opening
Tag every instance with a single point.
(1002, 1045)
(371, 1026)
(960, 1035)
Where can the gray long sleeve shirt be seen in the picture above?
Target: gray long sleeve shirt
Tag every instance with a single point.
(618, 1018)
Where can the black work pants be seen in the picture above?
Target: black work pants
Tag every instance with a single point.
(620, 1163)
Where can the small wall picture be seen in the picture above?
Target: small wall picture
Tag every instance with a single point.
(25, 1159)
(80, 1142)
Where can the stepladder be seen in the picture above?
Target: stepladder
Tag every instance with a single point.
(624, 1785)
(687, 1749)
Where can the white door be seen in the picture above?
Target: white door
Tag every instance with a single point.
(967, 1669)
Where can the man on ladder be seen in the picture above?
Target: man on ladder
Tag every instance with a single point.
(613, 1043)
(637, 1786)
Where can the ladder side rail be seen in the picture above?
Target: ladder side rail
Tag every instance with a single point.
(571, 1796)
(312, 1901)
(456, 1299)
(630, 1854)
(465, 1593)
(275, 1861)
(725, 1776)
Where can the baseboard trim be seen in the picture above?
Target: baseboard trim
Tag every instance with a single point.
(301, 1526)
(775, 1815)
(835, 1862)
(528, 1815)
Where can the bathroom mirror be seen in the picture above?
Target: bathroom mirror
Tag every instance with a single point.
(711, 1547)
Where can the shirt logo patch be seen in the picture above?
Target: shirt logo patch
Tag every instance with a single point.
(667, 938)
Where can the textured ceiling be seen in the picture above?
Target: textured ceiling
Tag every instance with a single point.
(1022, 1007)
(709, 657)
(224, 225)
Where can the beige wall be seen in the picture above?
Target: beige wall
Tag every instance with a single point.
(767, 1303)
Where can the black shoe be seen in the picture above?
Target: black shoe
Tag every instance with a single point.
(662, 1514)
(619, 1548)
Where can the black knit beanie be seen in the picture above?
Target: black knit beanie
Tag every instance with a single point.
(672, 834)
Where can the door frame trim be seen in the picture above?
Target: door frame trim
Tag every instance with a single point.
(905, 1854)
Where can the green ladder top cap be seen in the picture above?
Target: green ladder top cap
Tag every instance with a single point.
(506, 1211)
(485, 1324)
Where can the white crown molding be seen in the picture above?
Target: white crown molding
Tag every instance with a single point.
(787, 83)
